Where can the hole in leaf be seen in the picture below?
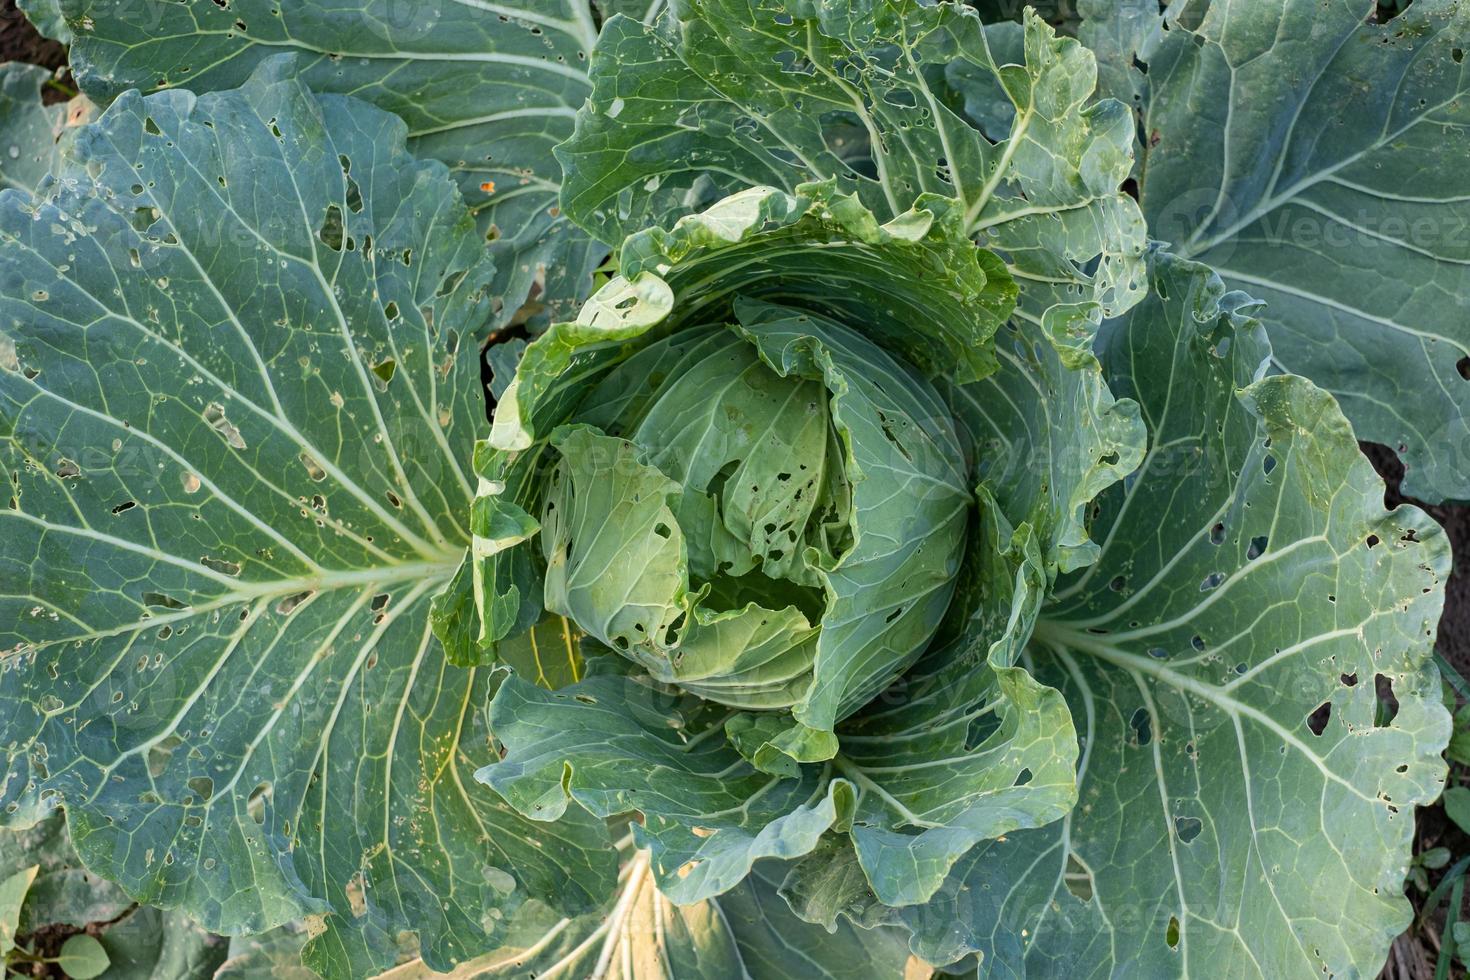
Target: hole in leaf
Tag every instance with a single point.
(214, 414)
(313, 468)
(255, 803)
(330, 232)
(202, 787)
(1317, 720)
(1142, 725)
(287, 605)
(1188, 828)
(1171, 934)
(159, 754)
(220, 565)
(1078, 879)
(161, 601)
(1388, 702)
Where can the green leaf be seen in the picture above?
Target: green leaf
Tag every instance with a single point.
(616, 562)
(1250, 582)
(12, 896)
(968, 747)
(1434, 858)
(1457, 806)
(275, 955)
(746, 933)
(225, 528)
(548, 654)
(82, 957)
(45, 16)
(1121, 34)
(1348, 224)
(34, 134)
(616, 743)
(486, 88)
(735, 93)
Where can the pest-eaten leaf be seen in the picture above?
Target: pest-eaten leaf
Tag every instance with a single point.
(1351, 225)
(486, 88)
(225, 526)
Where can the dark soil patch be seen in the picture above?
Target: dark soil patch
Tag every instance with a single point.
(20, 42)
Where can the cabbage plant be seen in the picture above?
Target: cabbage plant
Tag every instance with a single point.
(575, 491)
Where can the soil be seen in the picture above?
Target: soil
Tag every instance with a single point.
(20, 42)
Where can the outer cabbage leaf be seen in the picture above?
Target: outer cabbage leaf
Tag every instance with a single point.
(734, 93)
(616, 743)
(969, 746)
(1241, 809)
(1349, 224)
(747, 933)
(34, 133)
(231, 418)
(487, 88)
(1121, 34)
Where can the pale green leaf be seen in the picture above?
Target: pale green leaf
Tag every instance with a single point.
(31, 134)
(1250, 582)
(487, 88)
(12, 896)
(1326, 176)
(746, 934)
(1121, 35)
(82, 957)
(615, 743)
(226, 524)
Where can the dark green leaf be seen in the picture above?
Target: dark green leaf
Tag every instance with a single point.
(226, 527)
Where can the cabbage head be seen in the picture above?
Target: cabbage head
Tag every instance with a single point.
(737, 468)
